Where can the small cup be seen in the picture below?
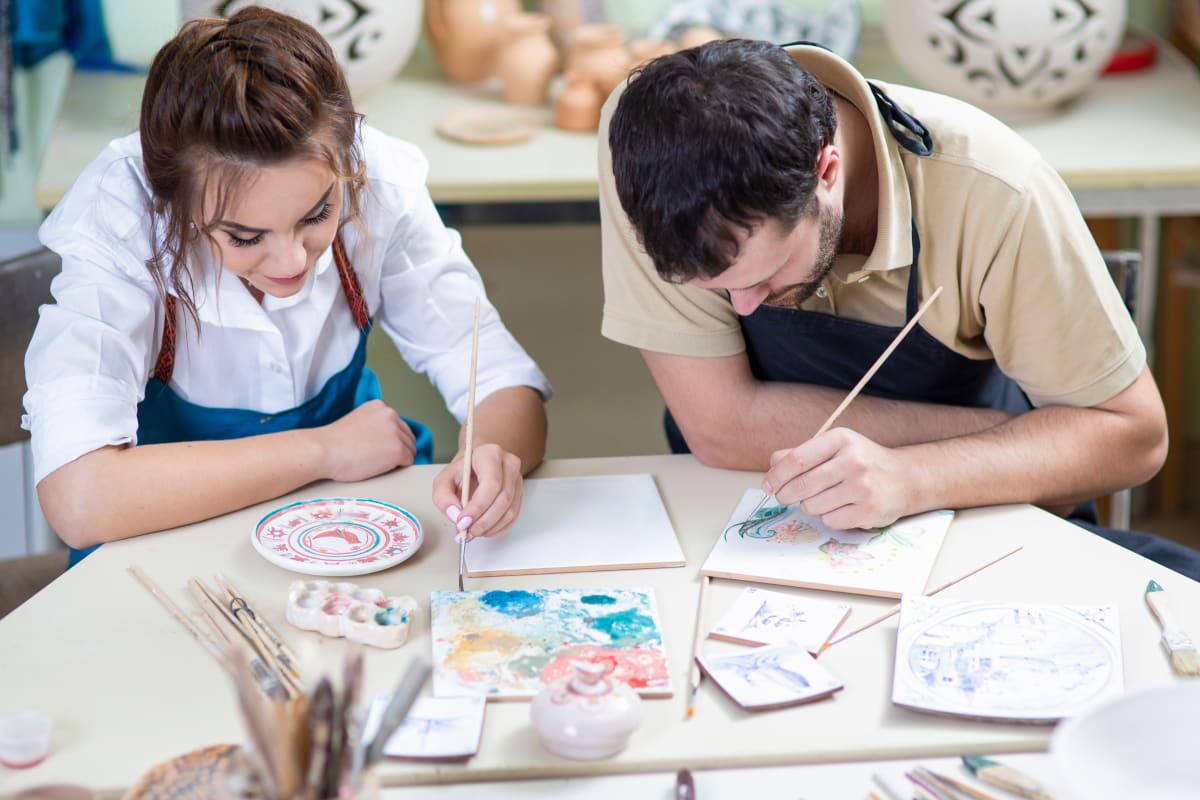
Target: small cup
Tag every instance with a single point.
(24, 738)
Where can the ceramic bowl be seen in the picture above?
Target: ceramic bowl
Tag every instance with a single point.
(1141, 745)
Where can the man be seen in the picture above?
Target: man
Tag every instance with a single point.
(770, 220)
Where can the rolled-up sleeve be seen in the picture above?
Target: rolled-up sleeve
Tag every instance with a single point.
(87, 364)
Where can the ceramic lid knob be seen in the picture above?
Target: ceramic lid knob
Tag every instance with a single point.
(587, 715)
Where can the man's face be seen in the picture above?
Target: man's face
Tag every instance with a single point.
(780, 267)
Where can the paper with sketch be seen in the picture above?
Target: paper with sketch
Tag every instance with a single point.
(581, 524)
(783, 545)
(1010, 661)
(760, 616)
(435, 728)
(507, 644)
(770, 677)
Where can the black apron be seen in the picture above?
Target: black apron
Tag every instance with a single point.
(797, 346)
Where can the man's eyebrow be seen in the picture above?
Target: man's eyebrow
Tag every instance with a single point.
(312, 212)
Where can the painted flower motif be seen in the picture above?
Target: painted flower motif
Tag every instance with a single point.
(844, 554)
(322, 513)
(795, 531)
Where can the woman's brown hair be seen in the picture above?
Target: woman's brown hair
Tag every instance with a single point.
(225, 96)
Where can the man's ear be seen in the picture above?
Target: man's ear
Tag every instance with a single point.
(829, 165)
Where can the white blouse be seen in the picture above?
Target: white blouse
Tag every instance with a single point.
(93, 351)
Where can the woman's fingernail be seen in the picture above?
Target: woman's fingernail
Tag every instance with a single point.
(766, 487)
(465, 522)
(459, 538)
(453, 512)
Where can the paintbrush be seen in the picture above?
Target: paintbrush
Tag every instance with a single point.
(870, 373)
(697, 637)
(960, 787)
(397, 708)
(1006, 778)
(1185, 660)
(470, 435)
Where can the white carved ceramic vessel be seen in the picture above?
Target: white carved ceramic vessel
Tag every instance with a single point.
(1014, 58)
(372, 39)
(588, 715)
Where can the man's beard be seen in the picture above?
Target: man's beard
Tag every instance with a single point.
(829, 230)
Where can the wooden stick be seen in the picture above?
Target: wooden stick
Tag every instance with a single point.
(697, 637)
(470, 434)
(175, 611)
(837, 412)
(896, 608)
(250, 624)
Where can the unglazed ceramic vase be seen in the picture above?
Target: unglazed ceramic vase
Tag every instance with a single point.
(528, 60)
(587, 715)
(372, 39)
(1014, 58)
(577, 107)
(466, 35)
(598, 51)
(643, 50)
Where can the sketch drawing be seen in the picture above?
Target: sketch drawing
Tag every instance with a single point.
(1007, 661)
(435, 727)
(780, 544)
(760, 616)
(507, 644)
(768, 677)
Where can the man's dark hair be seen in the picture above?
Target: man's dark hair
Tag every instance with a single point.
(715, 138)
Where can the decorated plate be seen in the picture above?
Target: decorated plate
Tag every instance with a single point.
(337, 536)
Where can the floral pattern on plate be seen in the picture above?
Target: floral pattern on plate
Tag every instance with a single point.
(337, 536)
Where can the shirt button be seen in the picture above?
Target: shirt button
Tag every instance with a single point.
(821, 293)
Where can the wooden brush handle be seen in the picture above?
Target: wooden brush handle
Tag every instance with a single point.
(1162, 609)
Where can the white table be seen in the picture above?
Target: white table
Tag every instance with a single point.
(129, 688)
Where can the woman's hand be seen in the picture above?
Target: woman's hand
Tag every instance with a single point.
(496, 490)
(370, 440)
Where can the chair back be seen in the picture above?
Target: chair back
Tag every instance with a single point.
(24, 287)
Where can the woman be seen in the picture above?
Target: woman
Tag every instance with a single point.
(221, 270)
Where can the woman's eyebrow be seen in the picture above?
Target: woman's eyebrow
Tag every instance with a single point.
(310, 213)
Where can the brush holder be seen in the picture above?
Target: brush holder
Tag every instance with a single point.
(362, 615)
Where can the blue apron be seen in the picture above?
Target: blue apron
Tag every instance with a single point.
(165, 417)
(793, 345)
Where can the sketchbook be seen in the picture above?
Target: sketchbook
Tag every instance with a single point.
(507, 644)
(582, 524)
(1006, 661)
(435, 728)
(770, 677)
(760, 617)
(782, 545)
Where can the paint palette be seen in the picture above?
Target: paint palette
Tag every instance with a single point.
(506, 645)
(337, 536)
(361, 615)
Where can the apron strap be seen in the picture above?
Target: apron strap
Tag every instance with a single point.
(164, 367)
(906, 129)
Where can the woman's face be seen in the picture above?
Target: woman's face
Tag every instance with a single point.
(277, 223)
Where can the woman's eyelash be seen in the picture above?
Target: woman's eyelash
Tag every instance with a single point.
(316, 219)
(244, 242)
(321, 216)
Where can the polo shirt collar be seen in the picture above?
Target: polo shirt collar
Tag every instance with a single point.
(893, 241)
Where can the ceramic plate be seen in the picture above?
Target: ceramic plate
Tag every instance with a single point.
(337, 536)
(1142, 745)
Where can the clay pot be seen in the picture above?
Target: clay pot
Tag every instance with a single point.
(598, 51)
(465, 35)
(578, 105)
(567, 15)
(643, 50)
(698, 35)
(529, 59)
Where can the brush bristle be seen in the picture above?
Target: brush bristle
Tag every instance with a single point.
(1185, 662)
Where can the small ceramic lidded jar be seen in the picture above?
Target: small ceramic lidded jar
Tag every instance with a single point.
(529, 59)
(587, 715)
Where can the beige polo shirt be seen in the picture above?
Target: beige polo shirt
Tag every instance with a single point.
(1024, 282)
